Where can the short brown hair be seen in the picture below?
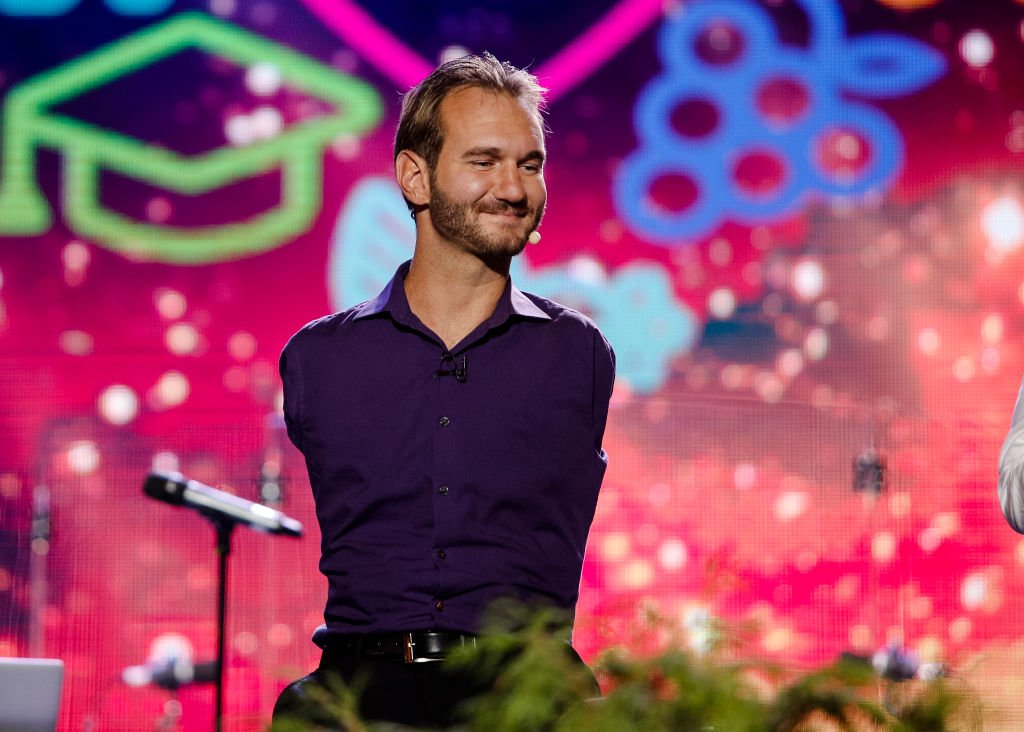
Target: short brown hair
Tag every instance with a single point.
(419, 126)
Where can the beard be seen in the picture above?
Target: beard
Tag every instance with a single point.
(460, 223)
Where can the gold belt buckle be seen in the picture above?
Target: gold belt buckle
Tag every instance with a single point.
(408, 644)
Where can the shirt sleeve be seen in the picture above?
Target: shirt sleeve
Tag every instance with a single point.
(1011, 468)
(604, 381)
(291, 380)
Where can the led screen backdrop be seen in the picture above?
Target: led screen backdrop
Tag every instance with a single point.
(800, 223)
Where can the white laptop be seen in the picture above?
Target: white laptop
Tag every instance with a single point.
(30, 694)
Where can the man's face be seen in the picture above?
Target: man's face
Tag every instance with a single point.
(487, 190)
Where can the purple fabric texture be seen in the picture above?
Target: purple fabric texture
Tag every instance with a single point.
(445, 480)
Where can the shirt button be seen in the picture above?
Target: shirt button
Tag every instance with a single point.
(439, 605)
(441, 554)
(444, 421)
(443, 490)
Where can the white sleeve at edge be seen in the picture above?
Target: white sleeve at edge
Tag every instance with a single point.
(1011, 469)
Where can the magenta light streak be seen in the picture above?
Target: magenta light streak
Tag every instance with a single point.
(574, 63)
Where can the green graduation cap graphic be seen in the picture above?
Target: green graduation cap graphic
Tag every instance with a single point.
(30, 123)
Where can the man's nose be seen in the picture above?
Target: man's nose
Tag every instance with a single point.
(509, 186)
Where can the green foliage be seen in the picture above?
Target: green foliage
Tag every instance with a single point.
(537, 676)
(540, 685)
(336, 706)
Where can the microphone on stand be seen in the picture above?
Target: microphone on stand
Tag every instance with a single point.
(171, 674)
(175, 489)
(170, 665)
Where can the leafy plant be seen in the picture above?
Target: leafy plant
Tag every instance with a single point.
(540, 685)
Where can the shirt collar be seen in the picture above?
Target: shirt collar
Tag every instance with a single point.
(392, 300)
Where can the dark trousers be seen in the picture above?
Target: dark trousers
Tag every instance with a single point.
(413, 694)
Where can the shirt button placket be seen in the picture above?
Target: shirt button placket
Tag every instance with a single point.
(443, 422)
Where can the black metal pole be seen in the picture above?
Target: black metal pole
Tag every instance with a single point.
(224, 529)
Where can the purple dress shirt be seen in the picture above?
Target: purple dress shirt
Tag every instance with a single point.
(444, 480)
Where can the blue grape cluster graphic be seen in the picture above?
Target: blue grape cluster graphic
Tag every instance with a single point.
(772, 106)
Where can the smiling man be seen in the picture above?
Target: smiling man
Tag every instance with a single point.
(452, 426)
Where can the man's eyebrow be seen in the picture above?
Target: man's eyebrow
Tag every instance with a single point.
(486, 152)
(496, 152)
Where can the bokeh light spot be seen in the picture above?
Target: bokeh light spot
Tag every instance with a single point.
(883, 547)
(960, 629)
(929, 341)
(816, 344)
(118, 404)
(778, 640)
(861, 638)
(83, 457)
(720, 43)
(744, 476)
(263, 79)
(76, 343)
(977, 48)
(720, 252)
(75, 255)
(791, 505)
(615, 546)
(266, 123)
(964, 369)
(166, 462)
(637, 573)
(808, 279)
(238, 130)
(672, 555)
(1002, 221)
(789, 363)
(929, 539)
(280, 635)
(246, 643)
(974, 590)
(722, 303)
(171, 304)
(992, 328)
(899, 504)
(170, 390)
(159, 210)
(843, 154)
(242, 345)
(768, 387)
(181, 339)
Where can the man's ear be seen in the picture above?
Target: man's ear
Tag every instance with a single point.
(413, 177)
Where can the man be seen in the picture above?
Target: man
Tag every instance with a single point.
(451, 426)
(1011, 468)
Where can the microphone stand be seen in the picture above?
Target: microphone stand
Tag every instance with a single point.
(224, 528)
(224, 512)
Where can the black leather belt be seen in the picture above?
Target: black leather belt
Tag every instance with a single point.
(419, 647)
